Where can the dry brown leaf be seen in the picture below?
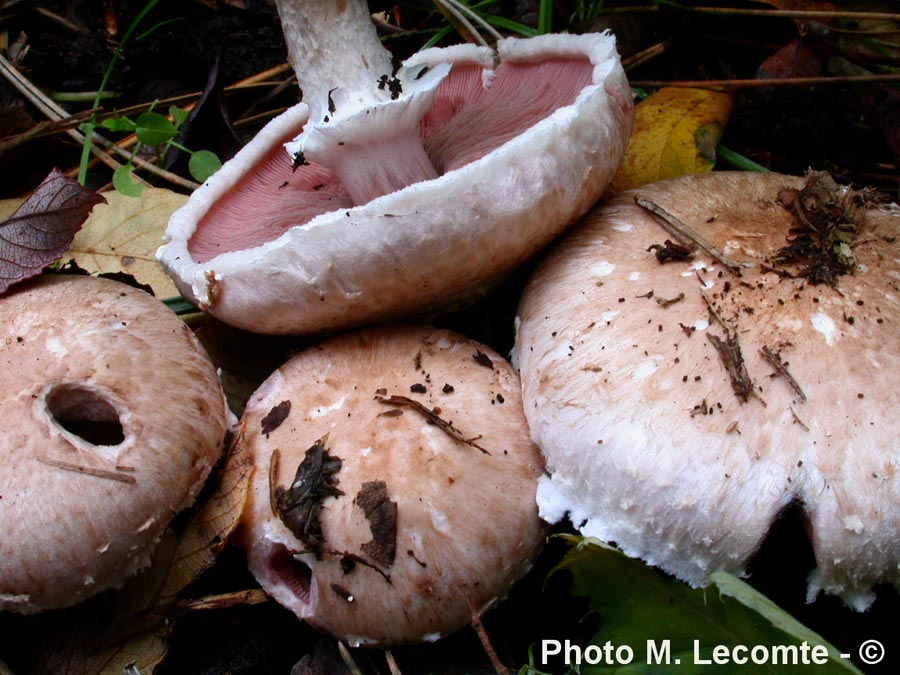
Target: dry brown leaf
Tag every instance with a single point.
(123, 235)
(43, 226)
(676, 131)
(144, 651)
(183, 555)
(88, 641)
(210, 526)
(129, 625)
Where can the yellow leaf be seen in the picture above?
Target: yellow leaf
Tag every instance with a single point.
(7, 206)
(123, 235)
(144, 652)
(676, 131)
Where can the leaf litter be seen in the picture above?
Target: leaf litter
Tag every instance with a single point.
(43, 227)
(298, 504)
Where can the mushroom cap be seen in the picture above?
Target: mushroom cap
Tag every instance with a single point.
(523, 149)
(646, 442)
(112, 419)
(466, 524)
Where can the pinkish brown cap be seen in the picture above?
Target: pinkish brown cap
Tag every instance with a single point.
(652, 443)
(112, 419)
(415, 480)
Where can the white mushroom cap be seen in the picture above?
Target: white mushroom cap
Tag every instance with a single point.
(515, 152)
(646, 442)
(466, 525)
(112, 419)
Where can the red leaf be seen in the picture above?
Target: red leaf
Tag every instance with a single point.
(43, 227)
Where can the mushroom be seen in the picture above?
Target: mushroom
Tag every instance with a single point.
(394, 485)
(399, 191)
(681, 406)
(112, 419)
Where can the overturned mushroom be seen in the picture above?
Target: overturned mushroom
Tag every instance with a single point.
(112, 419)
(394, 485)
(682, 405)
(399, 190)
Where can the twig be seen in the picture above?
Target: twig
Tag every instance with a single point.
(149, 167)
(796, 13)
(251, 596)
(769, 13)
(499, 668)
(65, 23)
(188, 100)
(391, 662)
(47, 106)
(251, 119)
(779, 365)
(347, 659)
(432, 417)
(797, 419)
(646, 55)
(665, 302)
(773, 82)
(456, 12)
(89, 471)
(62, 121)
(273, 479)
(733, 361)
(729, 330)
(686, 235)
(347, 556)
(54, 112)
(121, 150)
(46, 128)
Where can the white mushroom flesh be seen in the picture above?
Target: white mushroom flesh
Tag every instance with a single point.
(646, 442)
(514, 151)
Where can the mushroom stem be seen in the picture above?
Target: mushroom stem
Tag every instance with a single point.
(364, 118)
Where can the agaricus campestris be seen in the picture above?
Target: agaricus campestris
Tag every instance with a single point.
(112, 417)
(394, 485)
(680, 406)
(399, 191)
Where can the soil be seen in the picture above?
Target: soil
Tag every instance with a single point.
(852, 131)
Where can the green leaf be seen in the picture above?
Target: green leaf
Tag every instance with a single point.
(179, 115)
(511, 26)
(666, 624)
(738, 161)
(203, 164)
(119, 124)
(154, 129)
(124, 182)
(545, 16)
(676, 130)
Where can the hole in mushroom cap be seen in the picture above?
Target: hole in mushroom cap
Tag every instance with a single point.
(86, 414)
(294, 575)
